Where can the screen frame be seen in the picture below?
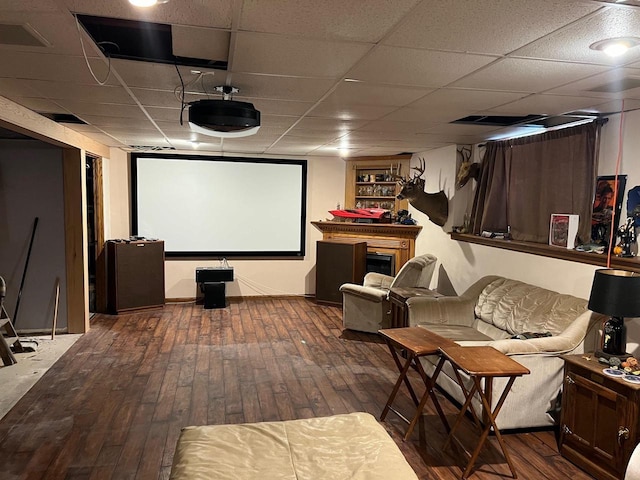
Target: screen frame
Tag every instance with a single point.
(298, 253)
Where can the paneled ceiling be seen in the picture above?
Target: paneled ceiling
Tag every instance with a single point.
(373, 77)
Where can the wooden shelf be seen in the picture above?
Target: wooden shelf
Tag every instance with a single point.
(358, 167)
(600, 259)
(376, 183)
(374, 196)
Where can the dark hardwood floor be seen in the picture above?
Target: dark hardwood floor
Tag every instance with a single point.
(112, 407)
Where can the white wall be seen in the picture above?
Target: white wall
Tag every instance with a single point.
(31, 186)
(325, 188)
(461, 264)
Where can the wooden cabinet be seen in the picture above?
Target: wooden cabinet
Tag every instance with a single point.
(135, 275)
(599, 421)
(370, 182)
(392, 239)
(338, 262)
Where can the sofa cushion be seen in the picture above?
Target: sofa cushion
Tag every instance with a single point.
(517, 307)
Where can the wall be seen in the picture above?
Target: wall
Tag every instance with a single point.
(325, 188)
(31, 186)
(461, 264)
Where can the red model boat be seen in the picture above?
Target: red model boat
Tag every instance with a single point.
(379, 214)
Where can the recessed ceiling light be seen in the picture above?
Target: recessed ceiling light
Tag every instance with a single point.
(146, 3)
(614, 47)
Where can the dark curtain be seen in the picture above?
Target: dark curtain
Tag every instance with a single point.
(524, 180)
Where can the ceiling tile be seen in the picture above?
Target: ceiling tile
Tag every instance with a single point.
(200, 42)
(425, 115)
(277, 107)
(484, 26)
(330, 19)
(334, 125)
(545, 105)
(361, 93)
(383, 126)
(286, 88)
(611, 77)
(161, 98)
(56, 68)
(101, 109)
(446, 99)
(572, 43)
(58, 29)
(84, 93)
(511, 74)
(409, 66)
(282, 55)
(38, 104)
(615, 106)
(14, 88)
(209, 13)
(332, 109)
(27, 6)
(160, 76)
(120, 123)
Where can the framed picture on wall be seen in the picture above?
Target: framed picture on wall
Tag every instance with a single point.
(604, 205)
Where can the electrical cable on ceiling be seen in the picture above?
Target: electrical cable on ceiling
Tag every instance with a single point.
(84, 54)
(615, 188)
(182, 104)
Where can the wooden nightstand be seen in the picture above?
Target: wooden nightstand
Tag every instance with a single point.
(398, 298)
(599, 422)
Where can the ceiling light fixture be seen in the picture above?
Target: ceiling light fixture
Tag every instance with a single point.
(614, 47)
(146, 3)
(225, 118)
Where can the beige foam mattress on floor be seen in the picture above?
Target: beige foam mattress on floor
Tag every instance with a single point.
(352, 446)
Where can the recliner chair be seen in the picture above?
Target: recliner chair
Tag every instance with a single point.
(366, 307)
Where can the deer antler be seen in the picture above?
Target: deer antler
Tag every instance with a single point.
(465, 153)
(419, 169)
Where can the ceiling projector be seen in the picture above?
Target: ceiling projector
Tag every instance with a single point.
(224, 118)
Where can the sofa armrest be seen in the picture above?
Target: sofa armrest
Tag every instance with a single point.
(377, 280)
(544, 345)
(372, 294)
(574, 336)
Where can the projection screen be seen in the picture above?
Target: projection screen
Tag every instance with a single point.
(203, 206)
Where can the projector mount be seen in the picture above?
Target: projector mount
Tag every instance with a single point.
(227, 91)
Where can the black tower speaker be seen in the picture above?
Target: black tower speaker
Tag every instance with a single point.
(214, 295)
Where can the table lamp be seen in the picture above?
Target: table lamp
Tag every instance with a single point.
(615, 293)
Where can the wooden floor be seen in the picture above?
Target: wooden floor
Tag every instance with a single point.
(112, 407)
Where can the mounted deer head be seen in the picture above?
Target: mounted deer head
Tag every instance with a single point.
(467, 169)
(435, 205)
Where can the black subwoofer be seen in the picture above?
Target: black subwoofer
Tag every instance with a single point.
(214, 295)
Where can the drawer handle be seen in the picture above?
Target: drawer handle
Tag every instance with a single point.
(623, 434)
(566, 430)
(569, 380)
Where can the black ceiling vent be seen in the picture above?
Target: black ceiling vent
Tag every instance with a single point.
(150, 148)
(63, 118)
(142, 41)
(538, 121)
(496, 120)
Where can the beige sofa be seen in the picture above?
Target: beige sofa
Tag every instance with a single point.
(494, 310)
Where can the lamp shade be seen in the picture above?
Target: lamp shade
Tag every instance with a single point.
(615, 293)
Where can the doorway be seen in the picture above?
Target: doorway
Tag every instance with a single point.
(95, 234)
